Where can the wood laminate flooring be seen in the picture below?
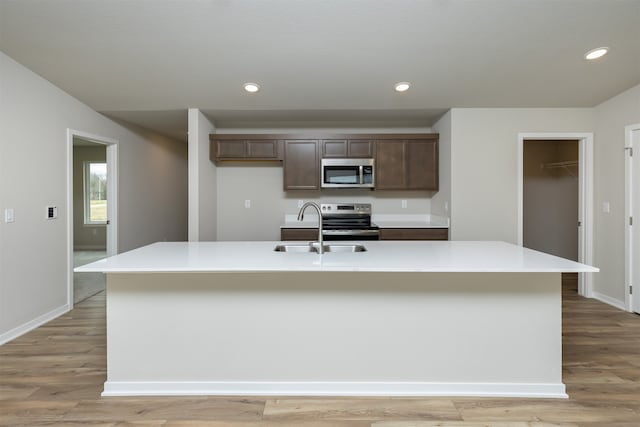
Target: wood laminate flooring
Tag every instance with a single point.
(53, 376)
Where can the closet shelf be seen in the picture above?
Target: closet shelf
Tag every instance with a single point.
(565, 165)
(554, 165)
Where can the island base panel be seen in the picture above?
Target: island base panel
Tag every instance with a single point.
(330, 333)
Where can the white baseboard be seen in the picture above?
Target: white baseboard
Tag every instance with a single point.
(232, 388)
(32, 324)
(608, 300)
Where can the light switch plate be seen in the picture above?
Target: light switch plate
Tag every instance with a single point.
(606, 207)
(247, 204)
(8, 215)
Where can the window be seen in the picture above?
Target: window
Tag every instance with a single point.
(95, 193)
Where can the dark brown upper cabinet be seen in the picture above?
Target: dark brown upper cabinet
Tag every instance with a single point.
(228, 147)
(301, 164)
(403, 161)
(407, 164)
(347, 148)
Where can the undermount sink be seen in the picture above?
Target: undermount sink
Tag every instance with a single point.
(344, 248)
(295, 248)
(314, 248)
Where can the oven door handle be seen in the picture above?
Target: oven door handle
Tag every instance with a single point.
(350, 232)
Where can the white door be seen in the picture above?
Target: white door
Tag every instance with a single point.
(634, 226)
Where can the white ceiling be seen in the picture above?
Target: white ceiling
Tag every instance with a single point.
(323, 62)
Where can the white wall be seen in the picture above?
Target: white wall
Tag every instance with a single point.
(611, 117)
(484, 165)
(441, 201)
(34, 118)
(262, 184)
(203, 197)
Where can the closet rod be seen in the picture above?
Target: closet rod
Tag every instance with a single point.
(559, 164)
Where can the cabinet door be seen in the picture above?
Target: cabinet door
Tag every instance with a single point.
(422, 165)
(262, 149)
(307, 234)
(361, 148)
(414, 234)
(301, 165)
(336, 148)
(230, 149)
(390, 165)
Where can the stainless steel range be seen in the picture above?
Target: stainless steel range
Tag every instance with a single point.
(348, 221)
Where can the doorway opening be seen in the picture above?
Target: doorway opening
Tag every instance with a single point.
(632, 216)
(92, 201)
(555, 194)
(550, 200)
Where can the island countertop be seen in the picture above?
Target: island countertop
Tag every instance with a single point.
(381, 256)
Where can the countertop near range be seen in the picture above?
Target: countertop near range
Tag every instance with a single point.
(381, 256)
(383, 221)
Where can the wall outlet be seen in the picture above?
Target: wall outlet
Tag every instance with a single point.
(606, 207)
(300, 203)
(404, 204)
(8, 215)
(52, 212)
(247, 204)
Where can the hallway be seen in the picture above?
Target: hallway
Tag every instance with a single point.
(86, 285)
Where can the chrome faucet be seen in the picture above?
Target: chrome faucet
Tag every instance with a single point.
(301, 217)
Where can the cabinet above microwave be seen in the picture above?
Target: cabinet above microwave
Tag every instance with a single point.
(347, 148)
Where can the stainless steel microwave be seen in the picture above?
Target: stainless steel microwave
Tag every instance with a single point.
(347, 173)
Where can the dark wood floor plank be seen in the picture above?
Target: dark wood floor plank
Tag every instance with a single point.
(163, 408)
(360, 409)
(200, 423)
(469, 424)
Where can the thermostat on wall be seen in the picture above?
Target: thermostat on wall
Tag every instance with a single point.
(52, 212)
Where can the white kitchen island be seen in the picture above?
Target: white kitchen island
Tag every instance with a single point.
(403, 318)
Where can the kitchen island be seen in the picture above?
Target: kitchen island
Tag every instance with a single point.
(403, 318)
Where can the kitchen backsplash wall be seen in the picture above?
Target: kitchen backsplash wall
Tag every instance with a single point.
(261, 185)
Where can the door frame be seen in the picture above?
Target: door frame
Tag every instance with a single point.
(630, 132)
(585, 197)
(112, 205)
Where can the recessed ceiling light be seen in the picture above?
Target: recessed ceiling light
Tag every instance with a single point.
(402, 86)
(596, 53)
(251, 87)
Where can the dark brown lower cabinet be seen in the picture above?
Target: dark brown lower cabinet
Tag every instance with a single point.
(307, 234)
(414, 234)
